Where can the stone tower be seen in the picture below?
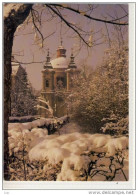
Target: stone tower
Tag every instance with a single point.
(56, 77)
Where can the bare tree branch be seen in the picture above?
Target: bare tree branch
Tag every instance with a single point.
(109, 40)
(123, 8)
(68, 24)
(118, 18)
(24, 34)
(37, 27)
(88, 16)
(28, 62)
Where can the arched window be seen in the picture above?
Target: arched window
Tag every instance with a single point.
(61, 81)
(47, 83)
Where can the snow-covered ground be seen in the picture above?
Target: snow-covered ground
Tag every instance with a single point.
(77, 156)
(70, 128)
(75, 152)
(29, 125)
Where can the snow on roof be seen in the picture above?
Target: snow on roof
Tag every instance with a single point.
(60, 62)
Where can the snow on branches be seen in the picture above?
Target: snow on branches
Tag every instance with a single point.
(67, 157)
(70, 151)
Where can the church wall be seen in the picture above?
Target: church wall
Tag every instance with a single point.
(50, 94)
(45, 76)
(48, 78)
(56, 103)
(60, 107)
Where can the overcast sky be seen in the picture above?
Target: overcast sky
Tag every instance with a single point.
(25, 45)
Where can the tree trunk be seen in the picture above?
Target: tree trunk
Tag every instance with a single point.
(8, 41)
(14, 15)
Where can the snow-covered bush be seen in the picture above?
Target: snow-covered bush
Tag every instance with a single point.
(72, 168)
(97, 94)
(115, 125)
(35, 155)
(73, 153)
(53, 123)
(31, 133)
(43, 107)
(20, 137)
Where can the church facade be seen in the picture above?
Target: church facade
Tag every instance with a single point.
(56, 79)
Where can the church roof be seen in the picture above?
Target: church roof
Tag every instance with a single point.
(60, 62)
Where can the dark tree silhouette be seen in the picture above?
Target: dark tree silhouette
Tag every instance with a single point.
(13, 16)
(23, 101)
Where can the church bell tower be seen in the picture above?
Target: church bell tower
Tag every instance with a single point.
(55, 72)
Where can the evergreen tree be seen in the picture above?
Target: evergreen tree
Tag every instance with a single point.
(99, 94)
(23, 100)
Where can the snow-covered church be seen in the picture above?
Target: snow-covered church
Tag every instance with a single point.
(56, 77)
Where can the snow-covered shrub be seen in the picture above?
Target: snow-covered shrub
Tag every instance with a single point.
(40, 123)
(68, 157)
(73, 154)
(43, 107)
(72, 166)
(115, 125)
(49, 151)
(16, 139)
(97, 94)
(116, 144)
(20, 137)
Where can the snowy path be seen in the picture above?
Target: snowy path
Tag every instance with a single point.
(70, 127)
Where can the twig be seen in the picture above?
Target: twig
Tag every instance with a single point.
(68, 24)
(88, 16)
(124, 174)
(37, 27)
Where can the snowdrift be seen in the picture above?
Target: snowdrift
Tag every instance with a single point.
(38, 123)
(19, 138)
(71, 151)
